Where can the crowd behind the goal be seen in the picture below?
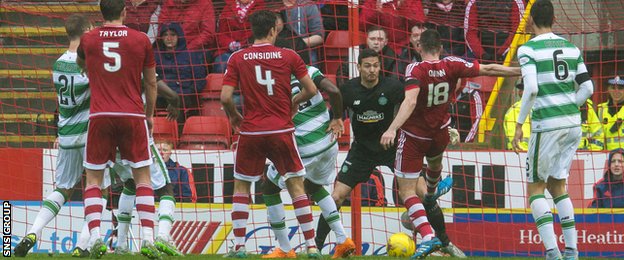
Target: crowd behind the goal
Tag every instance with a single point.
(400, 106)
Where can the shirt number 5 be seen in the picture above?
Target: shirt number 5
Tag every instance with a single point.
(106, 48)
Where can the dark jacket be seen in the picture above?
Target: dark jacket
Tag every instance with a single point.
(184, 71)
(408, 56)
(179, 176)
(609, 193)
(450, 25)
(389, 66)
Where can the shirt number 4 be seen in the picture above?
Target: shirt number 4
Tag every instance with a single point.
(265, 80)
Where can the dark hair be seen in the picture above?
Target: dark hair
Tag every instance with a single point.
(76, 25)
(430, 41)
(376, 28)
(261, 23)
(367, 53)
(111, 9)
(543, 13)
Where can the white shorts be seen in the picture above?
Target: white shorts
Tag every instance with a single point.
(320, 169)
(69, 169)
(158, 170)
(550, 154)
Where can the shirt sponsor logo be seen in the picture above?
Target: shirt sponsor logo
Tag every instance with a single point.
(370, 117)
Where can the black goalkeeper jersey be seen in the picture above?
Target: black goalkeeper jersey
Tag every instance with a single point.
(371, 110)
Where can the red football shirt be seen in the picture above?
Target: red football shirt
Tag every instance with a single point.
(437, 81)
(263, 73)
(115, 57)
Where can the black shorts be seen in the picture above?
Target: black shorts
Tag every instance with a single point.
(361, 162)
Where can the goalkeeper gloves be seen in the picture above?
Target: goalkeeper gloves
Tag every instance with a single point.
(453, 136)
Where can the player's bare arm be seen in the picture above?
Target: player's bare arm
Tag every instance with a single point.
(307, 92)
(149, 77)
(336, 126)
(173, 100)
(228, 105)
(405, 110)
(498, 70)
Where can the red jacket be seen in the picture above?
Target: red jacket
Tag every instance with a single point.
(491, 16)
(397, 20)
(231, 28)
(138, 17)
(197, 19)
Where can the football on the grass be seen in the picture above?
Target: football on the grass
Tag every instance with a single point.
(401, 245)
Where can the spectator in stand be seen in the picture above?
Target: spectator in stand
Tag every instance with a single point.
(183, 70)
(304, 18)
(286, 38)
(197, 18)
(234, 29)
(181, 178)
(395, 16)
(466, 112)
(377, 40)
(139, 14)
(611, 114)
(411, 52)
(489, 27)
(609, 191)
(447, 17)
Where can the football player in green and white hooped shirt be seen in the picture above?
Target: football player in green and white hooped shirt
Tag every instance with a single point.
(315, 135)
(551, 66)
(72, 87)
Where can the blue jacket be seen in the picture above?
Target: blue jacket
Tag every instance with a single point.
(184, 71)
(179, 179)
(608, 193)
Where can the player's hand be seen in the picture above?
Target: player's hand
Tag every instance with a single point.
(294, 109)
(336, 127)
(172, 112)
(235, 121)
(515, 143)
(453, 136)
(150, 124)
(56, 143)
(387, 139)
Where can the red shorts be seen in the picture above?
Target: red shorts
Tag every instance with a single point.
(252, 152)
(107, 134)
(412, 149)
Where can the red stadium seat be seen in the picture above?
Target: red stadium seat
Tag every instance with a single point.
(214, 82)
(165, 129)
(206, 132)
(212, 108)
(344, 142)
(337, 44)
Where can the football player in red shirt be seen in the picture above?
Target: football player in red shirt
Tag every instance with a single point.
(423, 120)
(262, 72)
(115, 56)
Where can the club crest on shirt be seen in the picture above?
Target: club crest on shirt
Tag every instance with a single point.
(382, 100)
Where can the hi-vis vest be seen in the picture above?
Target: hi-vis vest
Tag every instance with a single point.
(510, 127)
(592, 133)
(612, 126)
